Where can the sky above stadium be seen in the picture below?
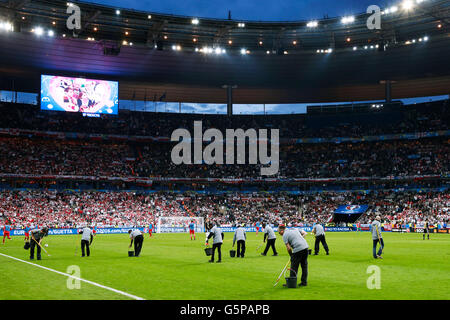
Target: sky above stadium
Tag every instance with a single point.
(264, 10)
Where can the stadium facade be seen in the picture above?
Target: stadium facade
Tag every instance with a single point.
(268, 62)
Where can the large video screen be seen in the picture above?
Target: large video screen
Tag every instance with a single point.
(79, 95)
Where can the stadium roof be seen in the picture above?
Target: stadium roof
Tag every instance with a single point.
(191, 58)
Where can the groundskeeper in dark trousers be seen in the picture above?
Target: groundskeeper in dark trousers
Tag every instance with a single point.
(36, 237)
(297, 248)
(138, 239)
(271, 238)
(320, 238)
(86, 240)
(240, 236)
(217, 233)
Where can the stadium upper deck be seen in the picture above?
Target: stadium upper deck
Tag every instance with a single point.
(191, 58)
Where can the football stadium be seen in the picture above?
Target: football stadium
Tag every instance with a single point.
(157, 156)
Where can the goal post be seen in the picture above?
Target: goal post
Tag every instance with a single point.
(179, 224)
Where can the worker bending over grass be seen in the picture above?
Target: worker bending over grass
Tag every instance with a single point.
(297, 248)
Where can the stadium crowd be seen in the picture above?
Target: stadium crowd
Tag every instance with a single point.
(106, 158)
(398, 158)
(423, 117)
(118, 209)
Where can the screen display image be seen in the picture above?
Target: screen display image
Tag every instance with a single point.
(79, 95)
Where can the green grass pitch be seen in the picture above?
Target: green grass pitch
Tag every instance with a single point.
(172, 267)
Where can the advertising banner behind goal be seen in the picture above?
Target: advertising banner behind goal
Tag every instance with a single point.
(179, 224)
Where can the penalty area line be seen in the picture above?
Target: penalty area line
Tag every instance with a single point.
(76, 278)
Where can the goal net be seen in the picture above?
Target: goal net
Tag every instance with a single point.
(179, 224)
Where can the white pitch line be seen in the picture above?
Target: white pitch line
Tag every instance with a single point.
(80, 279)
